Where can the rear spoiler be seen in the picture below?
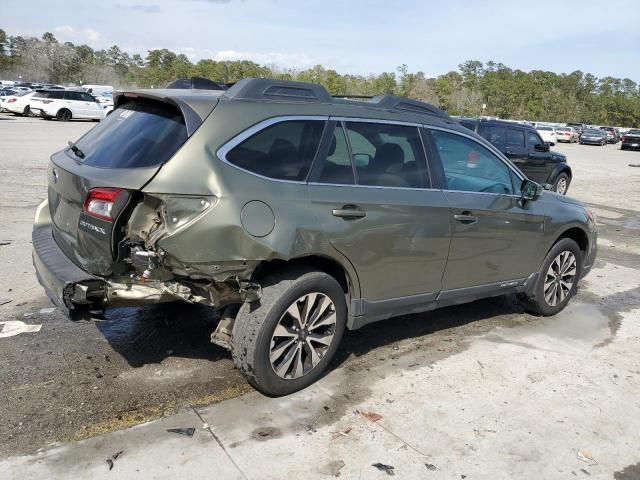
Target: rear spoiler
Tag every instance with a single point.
(194, 108)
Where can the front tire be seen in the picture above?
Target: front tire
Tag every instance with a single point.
(557, 280)
(284, 342)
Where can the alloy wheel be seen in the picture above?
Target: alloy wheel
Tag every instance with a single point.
(561, 187)
(560, 278)
(302, 336)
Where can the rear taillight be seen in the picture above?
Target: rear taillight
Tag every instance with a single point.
(100, 201)
(11, 100)
(47, 101)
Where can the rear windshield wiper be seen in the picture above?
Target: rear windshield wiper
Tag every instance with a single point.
(75, 149)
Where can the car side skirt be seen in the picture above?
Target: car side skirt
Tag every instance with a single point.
(364, 312)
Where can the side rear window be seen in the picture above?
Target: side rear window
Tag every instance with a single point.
(337, 168)
(72, 95)
(387, 155)
(57, 95)
(283, 151)
(137, 134)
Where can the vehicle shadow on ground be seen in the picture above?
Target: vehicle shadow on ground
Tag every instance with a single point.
(481, 315)
(143, 335)
(150, 334)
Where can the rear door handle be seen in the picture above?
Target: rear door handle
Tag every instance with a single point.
(466, 218)
(348, 212)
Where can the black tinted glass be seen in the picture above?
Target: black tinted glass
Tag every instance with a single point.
(497, 136)
(534, 139)
(283, 151)
(72, 95)
(515, 138)
(135, 135)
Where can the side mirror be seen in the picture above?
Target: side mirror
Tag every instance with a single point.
(531, 190)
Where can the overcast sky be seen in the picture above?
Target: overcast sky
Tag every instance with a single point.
(354, 36)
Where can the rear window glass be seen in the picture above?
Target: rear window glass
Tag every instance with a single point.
(283, 151)
(140, 134)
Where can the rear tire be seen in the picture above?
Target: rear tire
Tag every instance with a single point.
(557, 280)
(278, 353)
(63, 115)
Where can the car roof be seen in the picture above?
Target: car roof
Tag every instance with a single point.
(304, 99)
(503, 123)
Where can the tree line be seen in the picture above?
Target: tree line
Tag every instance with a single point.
(507, 93)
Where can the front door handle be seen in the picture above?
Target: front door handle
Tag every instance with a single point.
(348, 212)
(466, 218)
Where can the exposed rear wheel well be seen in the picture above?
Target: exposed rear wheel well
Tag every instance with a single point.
(577, 235)
(321, 264)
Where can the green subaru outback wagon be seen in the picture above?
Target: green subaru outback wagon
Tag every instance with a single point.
(297, 215)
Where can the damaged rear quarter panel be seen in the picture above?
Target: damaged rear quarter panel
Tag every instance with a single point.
(217, 241)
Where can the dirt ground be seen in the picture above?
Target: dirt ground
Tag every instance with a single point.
(76, 380)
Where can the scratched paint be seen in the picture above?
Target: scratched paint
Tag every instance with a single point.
(11, 328)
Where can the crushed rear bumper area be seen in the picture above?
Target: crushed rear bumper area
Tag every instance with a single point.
(67, 285)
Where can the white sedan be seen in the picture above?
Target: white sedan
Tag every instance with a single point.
(548, 134)
(18, 104)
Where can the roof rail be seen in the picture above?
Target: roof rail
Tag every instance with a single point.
(283, 90)
(393, 102)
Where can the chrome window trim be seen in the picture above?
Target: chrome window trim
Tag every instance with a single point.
(319, 184)
(489, 147)
(222, 152)
(375, 120)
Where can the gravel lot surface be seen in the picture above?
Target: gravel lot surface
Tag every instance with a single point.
(76, 380)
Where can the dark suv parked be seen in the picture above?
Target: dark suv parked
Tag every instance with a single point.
(298, 215)
(524, 147)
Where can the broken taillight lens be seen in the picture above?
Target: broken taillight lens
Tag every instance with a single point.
(100, 201)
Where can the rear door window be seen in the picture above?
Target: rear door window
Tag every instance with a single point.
(387, 155)
(139, 134)
(337, 168)
(283, 151)
(515, 137)
(72, 96)
(497, 136)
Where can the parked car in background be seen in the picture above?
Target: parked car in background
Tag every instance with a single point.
(593, 136)
(5, 94)
(612, 134)
(578, 127)
(548, 134)
(525, 148)
(66, 105)
(631, 139)
(567, 134)
(323, 214)
(19, 105)
(98, 90)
